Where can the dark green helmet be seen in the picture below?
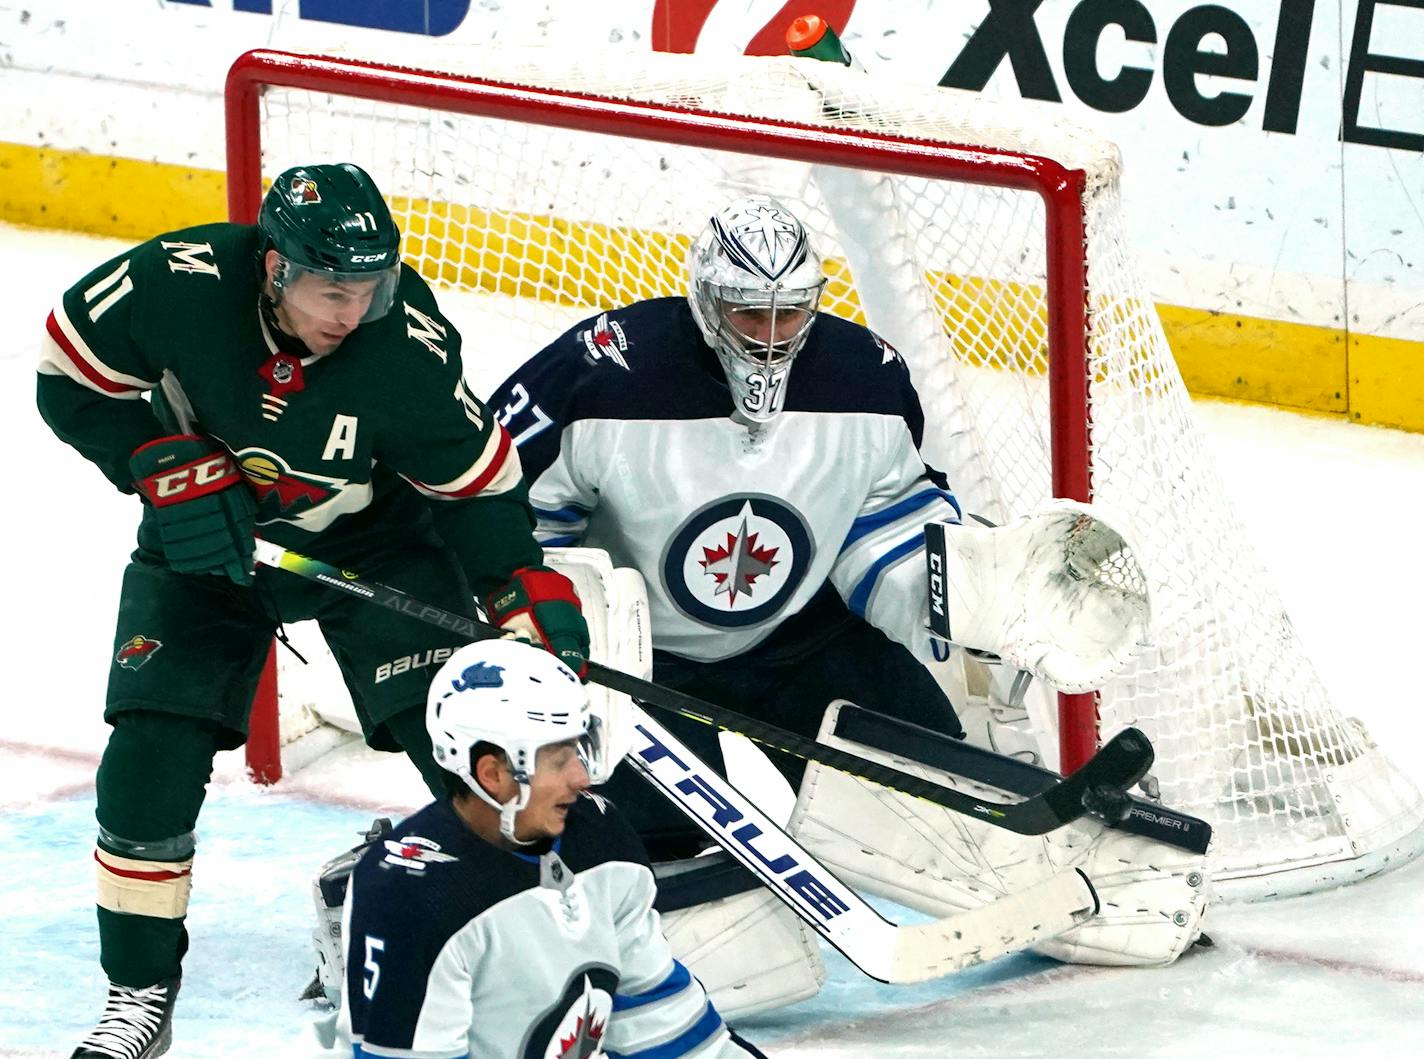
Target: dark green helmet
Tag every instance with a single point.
(330, 218)
(332, 221)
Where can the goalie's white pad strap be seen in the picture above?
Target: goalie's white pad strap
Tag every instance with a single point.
(1059, 592)
(939, 862)
(750, 952)
(143, 887)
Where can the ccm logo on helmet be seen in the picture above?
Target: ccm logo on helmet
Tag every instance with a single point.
(361, 259)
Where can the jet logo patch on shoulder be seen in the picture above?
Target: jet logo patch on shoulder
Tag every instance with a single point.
(413, 853)
(605, 341)
(135, 652)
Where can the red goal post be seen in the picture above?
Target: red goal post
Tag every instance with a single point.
(987, 247)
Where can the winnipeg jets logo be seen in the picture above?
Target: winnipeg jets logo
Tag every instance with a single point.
(737, 561)
(480, 675)
(605, 340)
(575, 1026)
(413, 853)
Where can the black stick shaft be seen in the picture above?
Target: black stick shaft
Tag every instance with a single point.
(1121, 763)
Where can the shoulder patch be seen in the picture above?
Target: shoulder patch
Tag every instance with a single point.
(606, 341)
(413, 853)
(888, 352)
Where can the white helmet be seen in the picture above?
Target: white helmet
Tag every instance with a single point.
(518, 697)
(755, 284)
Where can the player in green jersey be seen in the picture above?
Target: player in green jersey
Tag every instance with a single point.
(303, 386)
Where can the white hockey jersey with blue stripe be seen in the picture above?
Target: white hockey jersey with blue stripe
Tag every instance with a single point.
(624, 430)
(459, 950)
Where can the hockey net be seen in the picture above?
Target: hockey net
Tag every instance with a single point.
(535, 190)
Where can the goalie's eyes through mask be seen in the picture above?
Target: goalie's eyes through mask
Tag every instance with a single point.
(768, 333)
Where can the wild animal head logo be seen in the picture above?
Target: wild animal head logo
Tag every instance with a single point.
(304, 191)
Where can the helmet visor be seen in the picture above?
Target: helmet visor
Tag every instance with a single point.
(593, 751)
(346, 298)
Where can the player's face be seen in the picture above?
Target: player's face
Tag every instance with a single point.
(322, 312)
(559, 777)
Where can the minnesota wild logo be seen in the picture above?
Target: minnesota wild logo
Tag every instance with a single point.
(285, 494)
(136, 651)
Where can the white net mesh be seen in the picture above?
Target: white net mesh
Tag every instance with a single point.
(546, 225)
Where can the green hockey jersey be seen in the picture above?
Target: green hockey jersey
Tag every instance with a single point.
(349, 454)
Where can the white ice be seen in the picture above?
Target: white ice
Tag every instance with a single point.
(1335, 510)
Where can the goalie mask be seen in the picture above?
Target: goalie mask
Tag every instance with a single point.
(518, 697)
(755, 284)
(339, 247)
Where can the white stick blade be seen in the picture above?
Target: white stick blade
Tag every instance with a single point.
(1010, 924)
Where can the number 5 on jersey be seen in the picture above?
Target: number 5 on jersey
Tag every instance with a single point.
(373, 969)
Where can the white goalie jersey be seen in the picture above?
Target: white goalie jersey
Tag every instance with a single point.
(624, 432)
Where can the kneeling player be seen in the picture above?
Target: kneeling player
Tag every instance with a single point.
(517, 913)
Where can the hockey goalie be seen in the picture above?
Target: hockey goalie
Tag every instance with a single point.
(756, 463)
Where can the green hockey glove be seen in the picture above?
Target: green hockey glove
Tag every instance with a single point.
(541, 607)
(204, 507)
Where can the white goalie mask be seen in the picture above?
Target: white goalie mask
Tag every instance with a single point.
(754, 286)
(519, 698)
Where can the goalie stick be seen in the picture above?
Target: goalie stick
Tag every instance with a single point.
(1119, 764)
(906, 740)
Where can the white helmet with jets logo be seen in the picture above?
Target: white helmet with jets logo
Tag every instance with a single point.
(755, 282)
(519, 698)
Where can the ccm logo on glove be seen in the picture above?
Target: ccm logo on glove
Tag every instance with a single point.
(202, 507)
(540, 605)
(191, 480)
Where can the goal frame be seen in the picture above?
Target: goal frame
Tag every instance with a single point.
(1060, 188)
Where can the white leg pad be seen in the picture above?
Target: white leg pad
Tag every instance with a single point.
(749, 951)
(939, 862)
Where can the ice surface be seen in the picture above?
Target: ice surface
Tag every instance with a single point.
(1335, 510)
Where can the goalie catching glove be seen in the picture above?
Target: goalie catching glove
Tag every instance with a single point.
(203, 507)
(1059, 593)
(540, 607)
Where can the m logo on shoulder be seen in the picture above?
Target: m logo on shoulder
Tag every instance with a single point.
(480, 675)
(185, 258)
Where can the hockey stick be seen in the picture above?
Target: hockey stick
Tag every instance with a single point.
(884, 950)
(1119, 764)
(955, 756)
